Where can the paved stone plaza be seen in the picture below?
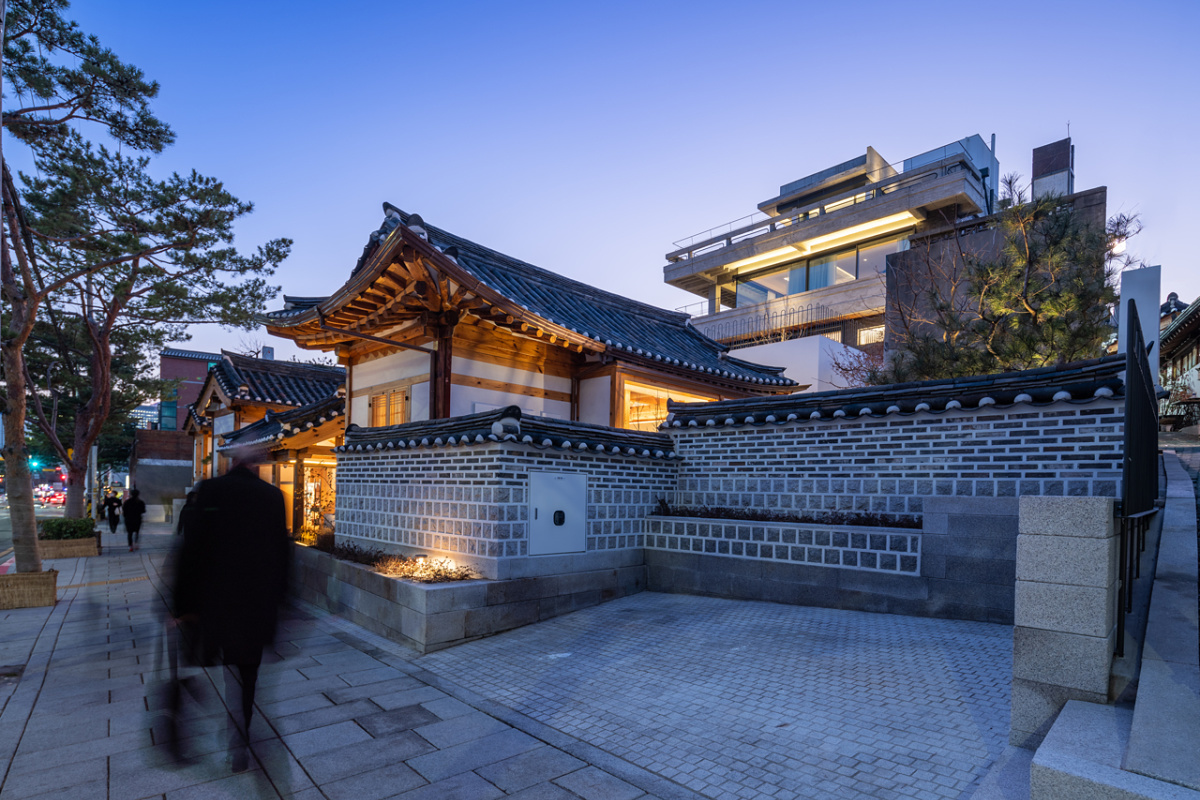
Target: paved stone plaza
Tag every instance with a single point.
(653, 696)
(747, 699)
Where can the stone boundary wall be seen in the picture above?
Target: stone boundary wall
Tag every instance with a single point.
(472, 504)
(960, 565)
(888, 550)
(434, 616)
(892, 465)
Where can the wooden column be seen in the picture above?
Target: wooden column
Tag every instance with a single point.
(297, 493)
(442, 374)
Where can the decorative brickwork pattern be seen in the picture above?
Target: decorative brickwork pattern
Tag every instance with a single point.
(889, 466)
(475, 500)
(844, 547)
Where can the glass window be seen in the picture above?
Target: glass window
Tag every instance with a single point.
(166, 415)
(770, 284)
(646, 406)
(387, 408)
(872, 335)
(872, 259)
(831, 269)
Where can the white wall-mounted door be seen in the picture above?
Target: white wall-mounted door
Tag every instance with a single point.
(557, 513)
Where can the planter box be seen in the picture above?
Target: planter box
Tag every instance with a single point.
(28, 589)
(433, 616)
(68, 548)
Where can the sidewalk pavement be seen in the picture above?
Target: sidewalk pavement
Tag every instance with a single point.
(340, 712)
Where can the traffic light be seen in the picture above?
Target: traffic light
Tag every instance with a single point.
(35, 463)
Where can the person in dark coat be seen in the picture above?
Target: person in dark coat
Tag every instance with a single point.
(132, 510)
(112, 510)
(233, 574)
(186, 514)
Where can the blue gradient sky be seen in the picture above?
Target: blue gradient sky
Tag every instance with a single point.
(585, 138)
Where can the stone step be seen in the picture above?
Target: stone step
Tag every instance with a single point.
(1081, 758)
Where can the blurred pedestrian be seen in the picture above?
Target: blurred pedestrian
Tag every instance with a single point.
(233, 573)
(112, 510)
(132, 510)
(186, 514)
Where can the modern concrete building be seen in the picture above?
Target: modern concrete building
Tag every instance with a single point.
(811, 261)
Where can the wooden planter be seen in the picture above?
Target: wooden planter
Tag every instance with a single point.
(68, 548)
(28, 589)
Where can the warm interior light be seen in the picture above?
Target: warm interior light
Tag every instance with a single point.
(866, 230)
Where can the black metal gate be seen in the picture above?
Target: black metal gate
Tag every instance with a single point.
(1139, 474)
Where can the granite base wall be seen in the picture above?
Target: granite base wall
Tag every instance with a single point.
(435, 616)
(964, 562)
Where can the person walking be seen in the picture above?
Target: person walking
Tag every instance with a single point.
(112, 510)
(186, 514)
(132, 510)
(233, 573)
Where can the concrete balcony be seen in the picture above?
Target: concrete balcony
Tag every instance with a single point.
(860, 298)
(888, 205)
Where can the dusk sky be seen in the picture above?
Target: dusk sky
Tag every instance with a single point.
(586, 138)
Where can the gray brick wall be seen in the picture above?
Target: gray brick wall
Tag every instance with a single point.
(474, 500)
(890, 465)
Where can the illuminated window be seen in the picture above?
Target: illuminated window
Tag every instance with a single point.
(870, 335)
(646, 406)
(803, 275)
(387, 408)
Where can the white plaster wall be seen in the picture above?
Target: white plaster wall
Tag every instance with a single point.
(359, 410)
(808, 360)
(418, 396)
(389, 368)
(472, 399)
(521, 377)
(594, 396)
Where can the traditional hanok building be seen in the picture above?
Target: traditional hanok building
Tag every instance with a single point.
(431, 326)
(295, 410)
(1179, 351)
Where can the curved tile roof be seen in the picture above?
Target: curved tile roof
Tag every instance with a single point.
(277, 426)
(287, 383)
(1080, 382)
(623, 326)
(509, 425)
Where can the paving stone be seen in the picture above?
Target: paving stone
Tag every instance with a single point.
(320, 717)
(295, 705)
(63, 776)
(231, 787)
(525, 770)
(367, 677)
(454, 731)
(674, 676)
(591, 783)
(468, 786)
(447, 707)
(543, 791)
(411, 697)
(472, 755)
(374, 785)
(321, 739)
(385, 723)
(344, 694)
(342, 762)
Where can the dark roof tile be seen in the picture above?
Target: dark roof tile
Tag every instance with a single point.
(1079, 382)
(288, 383)
(509, 425)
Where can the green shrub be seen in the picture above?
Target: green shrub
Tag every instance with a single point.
(66, 528)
